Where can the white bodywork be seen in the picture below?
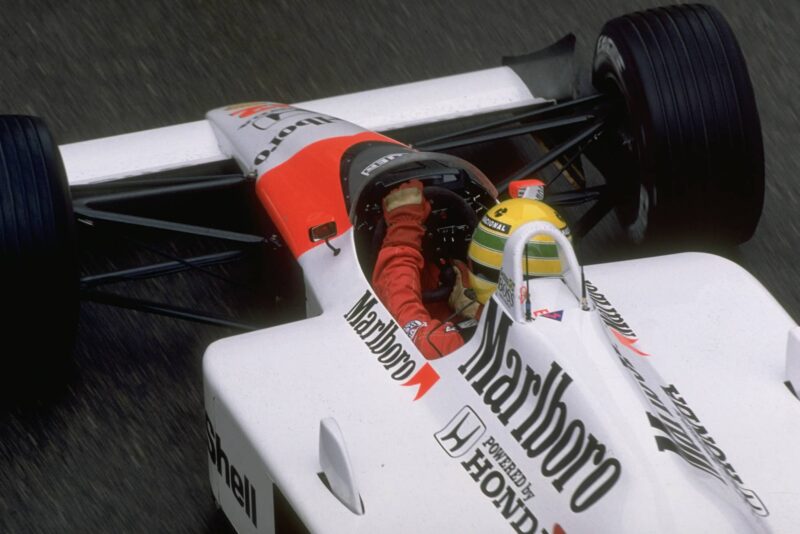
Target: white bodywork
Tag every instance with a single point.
(580, 424)
(384, 109)
(688, 420)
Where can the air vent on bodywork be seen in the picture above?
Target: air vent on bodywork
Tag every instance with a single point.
(793, 361)
(337, 471)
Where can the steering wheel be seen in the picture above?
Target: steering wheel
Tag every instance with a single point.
(447, 230)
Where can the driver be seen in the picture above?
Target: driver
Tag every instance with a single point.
(401, 273)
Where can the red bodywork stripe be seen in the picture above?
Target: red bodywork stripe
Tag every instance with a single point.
(306, 190)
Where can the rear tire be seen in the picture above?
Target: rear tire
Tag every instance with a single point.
(39, 271)
(692, 122)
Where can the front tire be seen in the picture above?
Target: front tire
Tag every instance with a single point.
(38, 271)
(692, 122)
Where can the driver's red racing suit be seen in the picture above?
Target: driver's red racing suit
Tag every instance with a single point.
(397, 278)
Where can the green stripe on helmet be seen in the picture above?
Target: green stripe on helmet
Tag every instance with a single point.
(490, 241)
(537, 250)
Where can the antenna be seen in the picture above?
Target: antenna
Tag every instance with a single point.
(584, 300)
(335, 250)
(527, 287)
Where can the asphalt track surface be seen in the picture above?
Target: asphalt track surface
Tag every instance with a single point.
(122, 449)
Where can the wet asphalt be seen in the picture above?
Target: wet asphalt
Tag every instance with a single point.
(122, 448)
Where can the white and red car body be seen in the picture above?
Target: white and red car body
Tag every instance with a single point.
(653, 397)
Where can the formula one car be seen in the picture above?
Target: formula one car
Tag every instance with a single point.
(638, 396)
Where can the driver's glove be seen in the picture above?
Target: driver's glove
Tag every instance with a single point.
(405, 210)
(462, 298)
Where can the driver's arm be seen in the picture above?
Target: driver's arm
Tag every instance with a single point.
(396, 277)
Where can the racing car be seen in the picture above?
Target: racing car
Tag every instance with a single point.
(636, 398)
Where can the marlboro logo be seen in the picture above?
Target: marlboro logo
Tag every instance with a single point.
(613, 320)
(380, 335)
(532, 404)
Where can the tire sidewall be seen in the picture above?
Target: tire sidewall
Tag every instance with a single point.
(612, 59)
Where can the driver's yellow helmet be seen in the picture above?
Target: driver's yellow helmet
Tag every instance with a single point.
(485, 252)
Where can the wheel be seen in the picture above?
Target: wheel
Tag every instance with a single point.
(692, 130)
(39, 269)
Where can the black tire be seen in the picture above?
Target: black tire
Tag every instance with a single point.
(692, 123)
(39, 271)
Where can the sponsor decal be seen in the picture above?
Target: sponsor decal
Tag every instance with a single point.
(496, 225)
(505, 288)
(269, 120)
(613, 320)
(713, 450)
(507, 465)
(380, 337)
(531, 188)
(686, 436)
(264, 115)
(501, 488)
(425, 378)
(556, 315)
(380, 162)
(248, 109)
(544, 312)
(672, 436)
(490, 467)
(535, 192)
(461, 433)
(243, 491)
(523, 294)
(531, 404)
(412, 327)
